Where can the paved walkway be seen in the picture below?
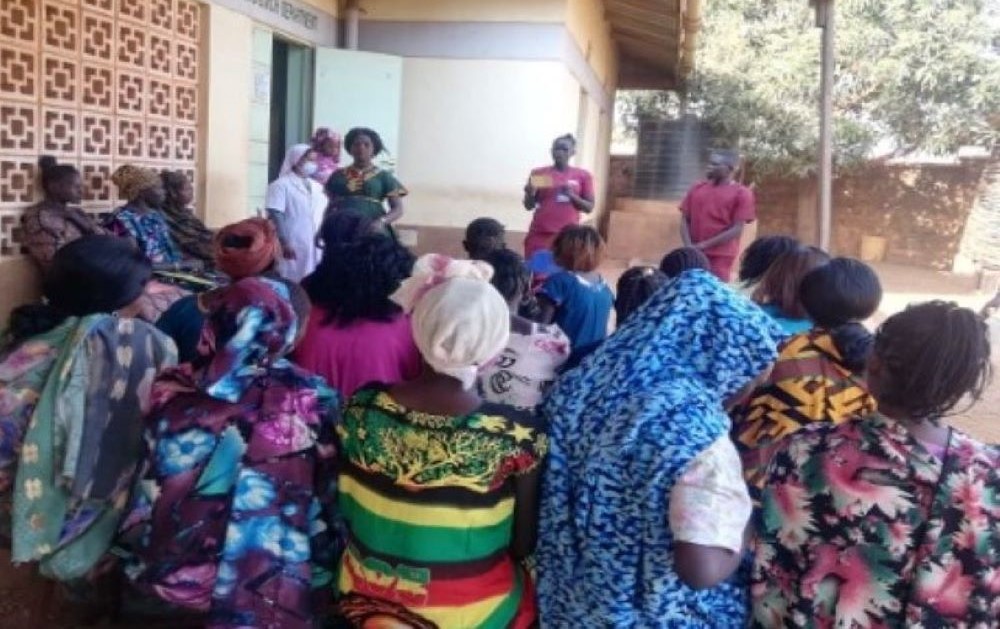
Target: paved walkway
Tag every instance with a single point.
(904, 285)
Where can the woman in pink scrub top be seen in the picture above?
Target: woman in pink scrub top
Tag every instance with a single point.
(557, 194)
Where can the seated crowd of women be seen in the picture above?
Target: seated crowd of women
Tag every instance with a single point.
(427, 442)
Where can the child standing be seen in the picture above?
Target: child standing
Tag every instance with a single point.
(577, 298)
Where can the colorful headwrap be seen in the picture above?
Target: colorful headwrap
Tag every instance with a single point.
(251, 325)
(460, 321)
(132, 180)
(253, 259)
(323, 134)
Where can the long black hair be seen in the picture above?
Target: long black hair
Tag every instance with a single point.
(931, 356)
(91, 275)
(343, 227)
(354, 281)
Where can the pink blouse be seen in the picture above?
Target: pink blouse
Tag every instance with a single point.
(362, 352)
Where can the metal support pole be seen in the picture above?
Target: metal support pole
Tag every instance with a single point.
(352, 24)
(825, 19)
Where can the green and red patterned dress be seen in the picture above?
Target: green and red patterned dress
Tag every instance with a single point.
(864, 526)
(429, 506)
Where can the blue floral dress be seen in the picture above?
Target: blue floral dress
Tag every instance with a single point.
(623, 428)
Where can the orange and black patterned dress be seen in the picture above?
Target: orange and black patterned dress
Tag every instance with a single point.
(809, 384)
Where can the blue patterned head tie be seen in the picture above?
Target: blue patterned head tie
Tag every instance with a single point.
(251, 325)
(695, 336)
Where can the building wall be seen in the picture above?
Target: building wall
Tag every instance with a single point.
(227, 121)
(469, 155)
(496, 78)
(465, 10)
(592, 33)
(97, 84)
(260, 120)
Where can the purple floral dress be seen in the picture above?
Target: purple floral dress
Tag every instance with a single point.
(232, 514)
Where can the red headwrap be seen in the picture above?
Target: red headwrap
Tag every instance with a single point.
(259, 250)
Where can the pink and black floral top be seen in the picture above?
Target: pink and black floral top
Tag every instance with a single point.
(863, 526)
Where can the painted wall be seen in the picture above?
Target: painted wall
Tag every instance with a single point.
(329, 6)
(20, 283)
(471, 132)
(260, 119)
(229, 87)
(466, 10)
(592, 33)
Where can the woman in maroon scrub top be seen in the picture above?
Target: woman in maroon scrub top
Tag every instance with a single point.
(556, 194)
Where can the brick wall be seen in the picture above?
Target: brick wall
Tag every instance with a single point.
(920, 210)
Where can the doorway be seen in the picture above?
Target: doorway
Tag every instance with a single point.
(291, 100)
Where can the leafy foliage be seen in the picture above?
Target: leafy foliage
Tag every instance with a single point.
(912, 75)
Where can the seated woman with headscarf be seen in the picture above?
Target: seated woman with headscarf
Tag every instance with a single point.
(644, 508)
(187, 230)
(438, 488)
(245, 249)
(57, 221)
(140, 218)
(232, 514)
(74, 382)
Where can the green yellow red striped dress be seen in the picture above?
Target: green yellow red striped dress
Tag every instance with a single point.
(429, 505)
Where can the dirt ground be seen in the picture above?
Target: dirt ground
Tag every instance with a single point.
(904, 285)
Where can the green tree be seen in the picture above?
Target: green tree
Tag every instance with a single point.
(912, 75)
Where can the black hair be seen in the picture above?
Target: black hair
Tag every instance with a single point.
(683, 259)
(53, 172)
(299, 299)
(838, 296)
(356, 132)
(731, 157)
(841, 291)
(569, 137)
(90, 275)
(341, 227)
(761, 254)
(511, 276)
(484, 236)
(931, 356)
(354, 281)
(635, 287)
(173, 181)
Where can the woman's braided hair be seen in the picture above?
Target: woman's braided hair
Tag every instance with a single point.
(932, 355)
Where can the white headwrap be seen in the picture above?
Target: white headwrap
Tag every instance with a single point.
(460, 322)
(292, 157)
